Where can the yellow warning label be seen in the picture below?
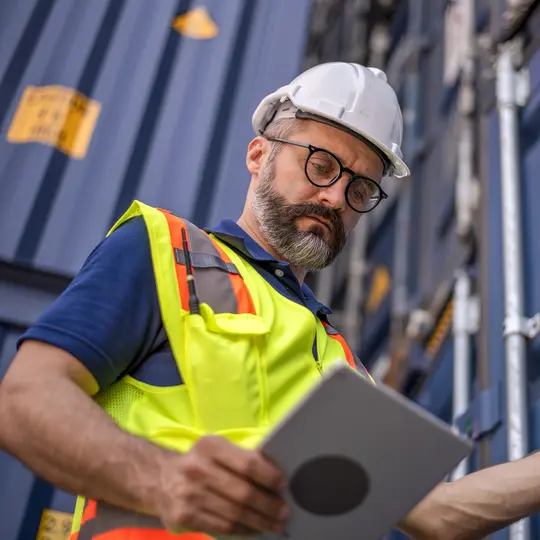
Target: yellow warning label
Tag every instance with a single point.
(54, 525)
(380, 287)
(196, 24)
(56, 116)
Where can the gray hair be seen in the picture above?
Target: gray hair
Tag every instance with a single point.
(280, 129)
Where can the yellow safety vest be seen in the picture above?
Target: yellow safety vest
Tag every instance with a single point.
(245, 360)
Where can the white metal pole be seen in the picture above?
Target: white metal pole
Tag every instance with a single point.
(516, 383)
(462, 356)
(466, 185)
(465, 203)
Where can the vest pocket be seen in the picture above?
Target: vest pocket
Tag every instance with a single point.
(222, 367)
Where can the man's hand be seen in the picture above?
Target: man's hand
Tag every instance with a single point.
(218, 487)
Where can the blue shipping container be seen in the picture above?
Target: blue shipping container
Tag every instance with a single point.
(426, 65)
(102, 102)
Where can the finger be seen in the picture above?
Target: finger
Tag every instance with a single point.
(195, 517)
(252, 465)
(240, 514)
(211, 523)
(240, 491)
(203, 472)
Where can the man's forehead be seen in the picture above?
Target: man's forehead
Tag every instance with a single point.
(352, 152)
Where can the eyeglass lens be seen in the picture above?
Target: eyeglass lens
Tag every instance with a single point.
(322, 169)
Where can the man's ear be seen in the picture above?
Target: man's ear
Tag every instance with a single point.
(257, 151)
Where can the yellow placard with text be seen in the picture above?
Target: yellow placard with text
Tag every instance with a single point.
(54, 525)
(57, 116)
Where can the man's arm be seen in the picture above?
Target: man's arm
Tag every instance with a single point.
(50, 423)
(105, 321)
(478, 504)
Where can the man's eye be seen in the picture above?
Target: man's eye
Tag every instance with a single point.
(320, 167)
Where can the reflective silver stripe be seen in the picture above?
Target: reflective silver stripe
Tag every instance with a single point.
(330, 330)
(214, 286)
(109, 518)
(359, 364)
(205, 260)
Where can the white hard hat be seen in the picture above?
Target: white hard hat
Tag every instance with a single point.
(348, 96)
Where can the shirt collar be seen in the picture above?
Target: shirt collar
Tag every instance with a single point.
(232, 234)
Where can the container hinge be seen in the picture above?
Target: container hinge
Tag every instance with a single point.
(530, 328)
(484, 415)
(523, 87)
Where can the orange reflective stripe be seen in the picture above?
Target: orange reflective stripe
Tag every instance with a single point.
(89, 511)
(222, 287)
(145, 534)
(175, 229)
(349, 356)
(110, 523)
(334, 334)
(352, 359)
(148, 534)
(245, 302)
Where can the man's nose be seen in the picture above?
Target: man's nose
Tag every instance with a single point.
(334, 196)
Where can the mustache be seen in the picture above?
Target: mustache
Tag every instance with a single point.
(308, 209)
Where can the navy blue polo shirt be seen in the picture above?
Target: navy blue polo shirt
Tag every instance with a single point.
(109, 317)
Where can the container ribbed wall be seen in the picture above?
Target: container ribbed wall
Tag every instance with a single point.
(129, 101)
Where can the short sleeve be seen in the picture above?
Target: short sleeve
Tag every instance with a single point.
(108, 317)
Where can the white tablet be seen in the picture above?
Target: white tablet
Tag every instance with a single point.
(358, 459)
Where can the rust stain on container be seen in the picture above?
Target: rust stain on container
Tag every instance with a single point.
(56, 116)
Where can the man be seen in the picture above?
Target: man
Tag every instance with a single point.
(193, 345)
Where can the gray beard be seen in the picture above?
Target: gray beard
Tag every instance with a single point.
(277, 221)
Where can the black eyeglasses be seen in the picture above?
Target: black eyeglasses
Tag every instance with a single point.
(323, 169)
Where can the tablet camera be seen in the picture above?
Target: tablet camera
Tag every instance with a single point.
(329, 485)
